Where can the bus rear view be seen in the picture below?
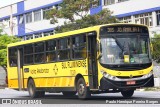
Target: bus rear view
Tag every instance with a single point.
(125, 58)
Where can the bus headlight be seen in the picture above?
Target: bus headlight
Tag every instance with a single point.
(148, 75)
(106, 75)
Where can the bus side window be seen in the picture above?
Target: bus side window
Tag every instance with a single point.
(28, 54)
(79, 46)
(13, 57)
(63, 49)
(39, 53)
(51, 50)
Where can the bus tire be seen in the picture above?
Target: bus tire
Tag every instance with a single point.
(82, 90)
(32, 89)
(127, 93)
(72, 93)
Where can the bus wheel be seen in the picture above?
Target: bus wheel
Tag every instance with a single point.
(83, 91)
(69, 93)
(127, 93)
(32, 89)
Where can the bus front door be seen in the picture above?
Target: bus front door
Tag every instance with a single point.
(92, 62)
(20, 68)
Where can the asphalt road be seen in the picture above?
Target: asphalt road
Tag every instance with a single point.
(58, 98)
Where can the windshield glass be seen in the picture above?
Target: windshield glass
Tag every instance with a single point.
(125, 49)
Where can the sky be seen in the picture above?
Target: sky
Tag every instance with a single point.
(7, 2)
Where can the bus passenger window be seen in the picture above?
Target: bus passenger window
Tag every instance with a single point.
(13, 57)
(51, 50)
(63, 49)
(51, 56)
(39, 56)
(28, 54)
(79, 46)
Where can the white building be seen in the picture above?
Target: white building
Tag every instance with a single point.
(145, 12)
(27, 19)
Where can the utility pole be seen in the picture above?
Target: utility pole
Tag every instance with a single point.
(11, 20)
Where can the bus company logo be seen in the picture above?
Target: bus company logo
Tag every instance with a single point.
(6, 101)
(119, 73)
(55, 69)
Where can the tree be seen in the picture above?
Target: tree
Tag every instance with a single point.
(4, 41)
(156, 47)
(76, 13)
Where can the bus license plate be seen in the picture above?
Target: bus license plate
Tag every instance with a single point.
(131, 82)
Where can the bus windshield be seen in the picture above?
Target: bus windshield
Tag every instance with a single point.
(125, 49)
(123, 45)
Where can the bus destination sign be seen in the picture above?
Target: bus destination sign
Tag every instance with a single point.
(124, 29)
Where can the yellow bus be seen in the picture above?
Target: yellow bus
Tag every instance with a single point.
(98, 59)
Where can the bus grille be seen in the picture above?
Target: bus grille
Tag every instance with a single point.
(127, 77)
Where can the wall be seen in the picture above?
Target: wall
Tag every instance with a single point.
(132, 6)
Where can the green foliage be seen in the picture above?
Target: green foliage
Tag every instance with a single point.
(4, 41)
(156, 47)
(79, 8)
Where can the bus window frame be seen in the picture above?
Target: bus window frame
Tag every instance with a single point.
(52, 61)
(10, 58)
(56, 51)
(38, 53)
(28, 54)
(80, 34)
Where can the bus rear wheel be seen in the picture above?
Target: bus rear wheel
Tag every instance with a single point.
(83, 91)
(127, 93)
(32, 90)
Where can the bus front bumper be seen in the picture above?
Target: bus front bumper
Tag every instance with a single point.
(106, 84)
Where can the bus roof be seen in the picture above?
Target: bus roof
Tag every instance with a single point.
(59, 35)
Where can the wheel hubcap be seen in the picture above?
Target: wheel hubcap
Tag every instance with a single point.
(81, 89)
(31, 90)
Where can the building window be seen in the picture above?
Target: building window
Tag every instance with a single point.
(145, 19)
(125, 19)
(109, 2)
(122, 0)
(158, 17)
(45, 10)
(21, 19)
(48, 33)
(28, 37)
(37, 15)
(58, 7)
(95, 3)
(6, 22)
(38, 35)
(28, 17)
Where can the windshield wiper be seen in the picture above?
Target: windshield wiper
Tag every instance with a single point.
(118, 43)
